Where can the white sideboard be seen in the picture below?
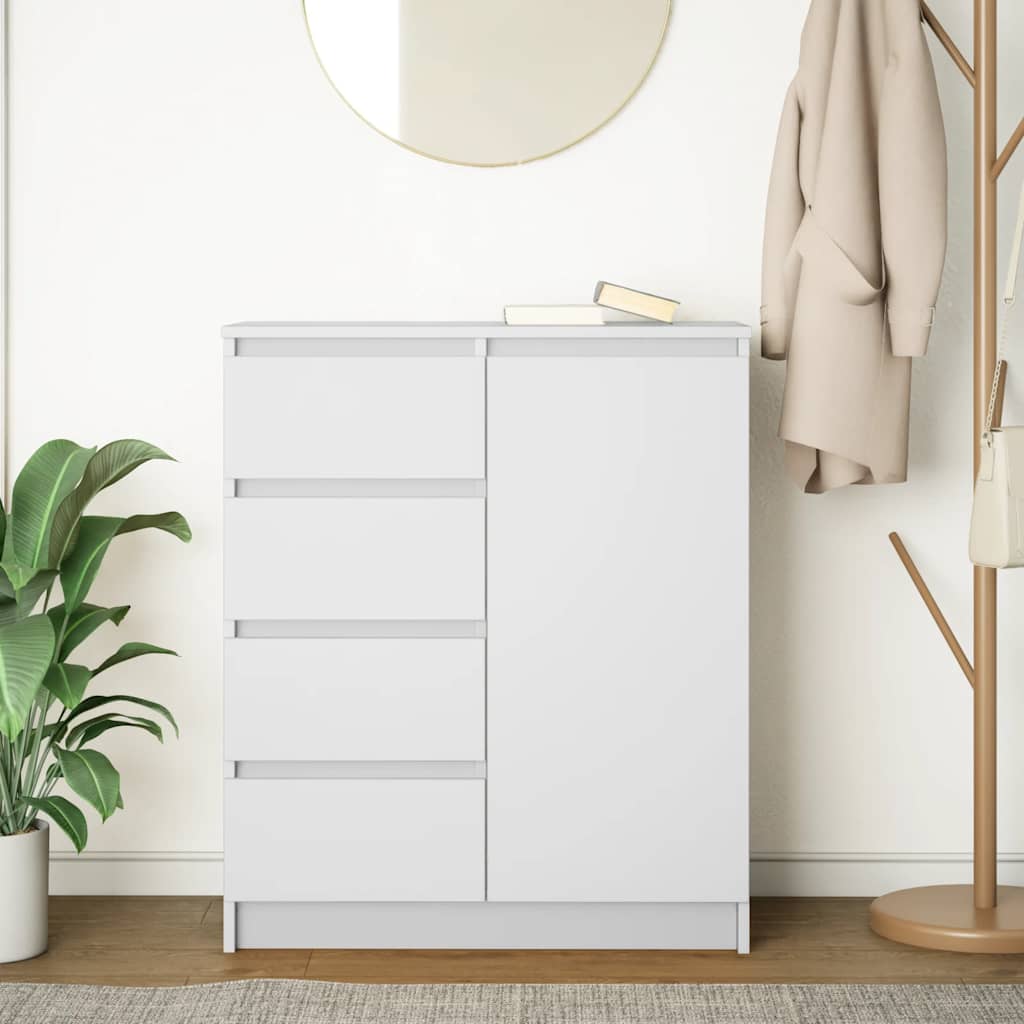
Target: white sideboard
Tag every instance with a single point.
(486, 657)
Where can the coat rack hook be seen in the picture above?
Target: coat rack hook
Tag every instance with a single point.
(933, 607)
(1004, 158)
(947, 41)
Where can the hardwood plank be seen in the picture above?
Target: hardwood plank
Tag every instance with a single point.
(121, 909)
(136, 923)
(252, 963)
(93, 965)
(390, 966)
(174, 941)
(992, 970)
(118, 980)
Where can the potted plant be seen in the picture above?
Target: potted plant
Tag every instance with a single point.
(48, 726)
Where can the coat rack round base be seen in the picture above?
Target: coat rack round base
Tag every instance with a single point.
(945, 917)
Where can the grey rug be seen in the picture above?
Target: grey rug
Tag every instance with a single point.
(317, 1002)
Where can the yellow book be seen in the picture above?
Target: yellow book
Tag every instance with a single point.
(654, 307)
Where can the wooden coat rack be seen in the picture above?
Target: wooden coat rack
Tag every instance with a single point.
(983, 917)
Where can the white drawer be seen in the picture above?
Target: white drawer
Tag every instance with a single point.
(395, 840)
(354, 417)
(354, 558)
(354, 700)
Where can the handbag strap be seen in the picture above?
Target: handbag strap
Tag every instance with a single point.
(1009, 297)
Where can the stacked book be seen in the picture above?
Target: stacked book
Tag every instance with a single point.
(612, 304)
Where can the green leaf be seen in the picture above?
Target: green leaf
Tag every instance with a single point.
(91, 775)
(56, 730)
(132, 650)
(35, 588)
(48, 477)
(22, 589)
(111, 463)
(80, 565)
(26, 648)
(83, 622)
(67, 683)
(79, 568)
(28, 596)
(101, 699)
(16, 574)
(120, 800)
(173, 523)
(85, 732)
(64, 813)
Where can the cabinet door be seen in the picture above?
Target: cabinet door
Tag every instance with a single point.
(617, 628)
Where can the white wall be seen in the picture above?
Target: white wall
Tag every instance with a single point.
(178, 166)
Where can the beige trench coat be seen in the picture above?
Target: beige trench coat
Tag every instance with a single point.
(855, 239)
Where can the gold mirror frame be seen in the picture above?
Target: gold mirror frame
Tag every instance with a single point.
(508, 163)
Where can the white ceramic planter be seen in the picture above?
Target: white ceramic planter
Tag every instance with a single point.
(25, 871)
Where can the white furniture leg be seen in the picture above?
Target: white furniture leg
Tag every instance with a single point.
(743, 928)
(229, 926)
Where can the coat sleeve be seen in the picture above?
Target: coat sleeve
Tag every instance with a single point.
(911, 185)
(782, 219)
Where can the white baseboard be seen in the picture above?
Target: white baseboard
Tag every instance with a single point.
(173, 873)
(176, 873)
(866, 874)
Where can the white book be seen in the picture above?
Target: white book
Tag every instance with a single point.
(587, 315)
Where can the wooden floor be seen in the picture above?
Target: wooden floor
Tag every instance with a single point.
(174, 941)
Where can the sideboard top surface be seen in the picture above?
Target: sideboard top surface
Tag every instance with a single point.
(470, 330)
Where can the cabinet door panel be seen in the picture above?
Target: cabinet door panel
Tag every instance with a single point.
(617, 628)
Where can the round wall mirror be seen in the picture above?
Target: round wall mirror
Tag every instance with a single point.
(486, 82)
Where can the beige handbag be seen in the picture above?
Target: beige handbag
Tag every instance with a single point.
(997, 518)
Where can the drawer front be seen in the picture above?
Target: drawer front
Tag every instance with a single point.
(354, 558)
(354, 417)
(354, 839)
(354, 700)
